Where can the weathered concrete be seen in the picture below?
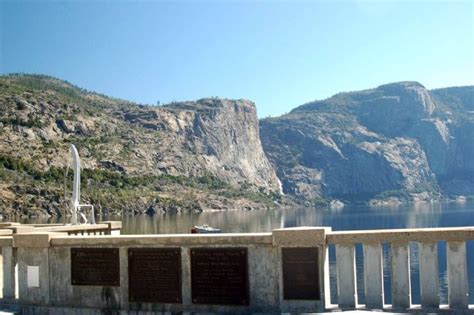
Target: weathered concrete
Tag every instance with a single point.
(346, 281)
(74, 228)
(164, 239)
(373, 275)
(429, 279)
(401, 235)
(8, 268)
(300, 237)
(63, 293)
(6, 241)
(401, 289)
(264, 277)
(50, 254)
(457, 275)
(17, 229)
(7, 224)
(37, 257)
(34, 239)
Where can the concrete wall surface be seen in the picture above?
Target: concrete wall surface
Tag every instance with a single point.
(50, 255)
(48, 281)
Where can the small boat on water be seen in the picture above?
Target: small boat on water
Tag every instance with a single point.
(201, 229)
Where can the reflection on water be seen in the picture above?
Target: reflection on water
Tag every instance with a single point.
(348, 218)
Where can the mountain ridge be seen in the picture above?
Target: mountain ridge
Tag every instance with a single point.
(394, 124)
(398, 142)
(189, 156)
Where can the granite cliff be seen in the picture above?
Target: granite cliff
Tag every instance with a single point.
(395, 143)
(194, 156)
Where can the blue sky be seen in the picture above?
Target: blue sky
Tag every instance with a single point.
(280, 54)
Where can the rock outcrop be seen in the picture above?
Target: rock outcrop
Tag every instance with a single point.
(216, 136)
(203, 154)
(398, 140)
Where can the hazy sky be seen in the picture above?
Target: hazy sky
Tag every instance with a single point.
(279, 54)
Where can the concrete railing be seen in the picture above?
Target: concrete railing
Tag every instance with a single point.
(9, 261)
(286, 270)
(102, 228)
(427, 240)
(65, 273)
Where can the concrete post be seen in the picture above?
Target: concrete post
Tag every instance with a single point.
(33, 267)
(346, 276)
(457, 275)
(304, 237)
(429, 279)
(401, 290)
(9, 263)
(373, 275)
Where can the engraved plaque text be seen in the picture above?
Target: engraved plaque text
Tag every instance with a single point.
(300, 274)
(154, 275)
(219, 276)
(95, 266)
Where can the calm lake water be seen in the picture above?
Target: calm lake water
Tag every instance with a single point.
(348, 218)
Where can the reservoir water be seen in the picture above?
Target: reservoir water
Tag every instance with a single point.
(347, 218)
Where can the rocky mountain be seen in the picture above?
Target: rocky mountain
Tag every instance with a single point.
(397, 142)
(194, 156)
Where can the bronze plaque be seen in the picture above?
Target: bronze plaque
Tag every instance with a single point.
(300, 274)
(219, 276)
(154, 275)
(95, 266)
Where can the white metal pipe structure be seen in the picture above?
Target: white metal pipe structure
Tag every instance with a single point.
(76, 191)
(76, 188)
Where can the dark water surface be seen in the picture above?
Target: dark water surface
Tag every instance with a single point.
(348, 218)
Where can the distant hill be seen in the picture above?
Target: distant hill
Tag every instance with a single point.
(398, 142)
(189, 156)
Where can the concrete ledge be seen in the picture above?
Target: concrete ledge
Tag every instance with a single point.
(164, 239)
(72, 228)
(6, 232)
(405, 235)
(113, 225)
(34, 240)
(300, 236)
(18, 229)
(5, 224)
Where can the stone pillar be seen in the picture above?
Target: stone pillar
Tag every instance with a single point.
(458, 292)
(114, 227)
(346, 276)
(401, 289)
(9, 262)
(33, 267)
(429, 280)
(373, 265)
(301, 239)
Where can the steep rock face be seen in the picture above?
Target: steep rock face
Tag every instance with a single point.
(204, 154)
(208, 136)
(398, 138)
(348, 161)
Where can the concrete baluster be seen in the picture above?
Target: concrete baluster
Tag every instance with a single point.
(346, 281)
(429, 279)
(401, 290)
(457, 275)
(373, 275)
